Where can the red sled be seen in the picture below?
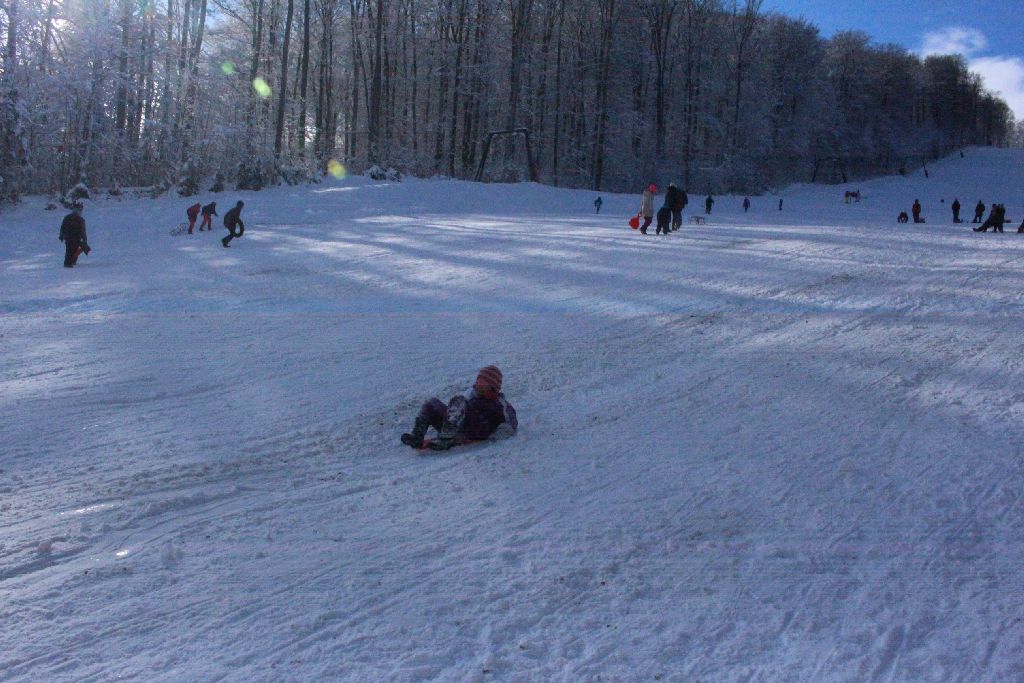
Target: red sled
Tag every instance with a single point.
(634, 222)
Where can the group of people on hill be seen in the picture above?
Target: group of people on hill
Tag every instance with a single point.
(670, 216)
(996, 218)
(232, 219)
(73, 235)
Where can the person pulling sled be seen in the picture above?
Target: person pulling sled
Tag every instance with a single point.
(72, 234)
(482, 413)
(233, 219)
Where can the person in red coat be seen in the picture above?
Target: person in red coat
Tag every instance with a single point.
(193, 213)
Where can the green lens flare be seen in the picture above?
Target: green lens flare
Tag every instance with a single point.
(336, 169)
(261, 87)
(228, 68)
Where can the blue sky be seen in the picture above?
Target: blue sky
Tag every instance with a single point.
(990, 33)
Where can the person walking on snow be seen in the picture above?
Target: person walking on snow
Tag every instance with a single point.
(956, 210)
(231, 219)
(481, 413)
(193, 213)
(979, 212)
(675, 200)
(647, 207)
(597, 205)
(746, 204)
(209, 211)
(708, 203)
(916, 211)
(72, 234)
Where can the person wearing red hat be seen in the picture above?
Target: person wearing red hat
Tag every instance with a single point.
(482, 413)
(193, 213)
(647, 207)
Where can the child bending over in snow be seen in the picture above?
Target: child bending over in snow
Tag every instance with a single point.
(480, 414)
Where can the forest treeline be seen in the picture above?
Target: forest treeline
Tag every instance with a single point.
(714, 95)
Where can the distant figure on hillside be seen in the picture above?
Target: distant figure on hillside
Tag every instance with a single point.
(193, 213)
(231, 219)
(480, 414)
(996, 219)
(708, 203)
(956, 210)
(979, 211)
(926, 173)
(209, 211)
(903, 217)
(647, 207)
(72, 234)
(916, 210)
(597, 205)
(746, 204)
(675, 200)
(780, 204)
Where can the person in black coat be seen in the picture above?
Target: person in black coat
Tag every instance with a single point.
(72, 234)
(708, 203)
(675, 200)
(956, 210)
(209, 211)
(979, 211)
(231, 219)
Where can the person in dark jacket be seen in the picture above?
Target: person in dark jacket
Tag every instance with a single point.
(915, 210)
(664, 221)
(597, 205)
(193, 213)
(956, 210)
(675, 200)
(979, 211)
(232, 219)
(708, 203)
(746, 204)
(482, 413)
(209, 211)
(72, 234)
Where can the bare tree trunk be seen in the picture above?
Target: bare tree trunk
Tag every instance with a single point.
(607, 32)
(558, 95)
(373, 122)
(521, 10)
(459, 41)
(44, 62)
(304, 80)
(282, 87)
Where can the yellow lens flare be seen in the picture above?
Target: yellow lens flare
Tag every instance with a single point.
(228, 68)
(261, 87)
(336, 169)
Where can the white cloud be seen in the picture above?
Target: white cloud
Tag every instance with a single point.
(1004, 76)
(953, 40)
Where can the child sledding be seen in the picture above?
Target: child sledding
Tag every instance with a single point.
(481, 413)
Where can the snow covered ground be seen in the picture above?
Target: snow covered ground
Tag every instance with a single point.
(783, 446)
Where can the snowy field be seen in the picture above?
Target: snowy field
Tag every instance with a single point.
(785, 446)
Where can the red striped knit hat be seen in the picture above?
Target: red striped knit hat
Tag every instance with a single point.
(488, 381)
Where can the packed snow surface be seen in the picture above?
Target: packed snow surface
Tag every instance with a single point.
(786, 445)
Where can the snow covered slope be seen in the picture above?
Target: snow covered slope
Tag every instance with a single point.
(783, 446)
